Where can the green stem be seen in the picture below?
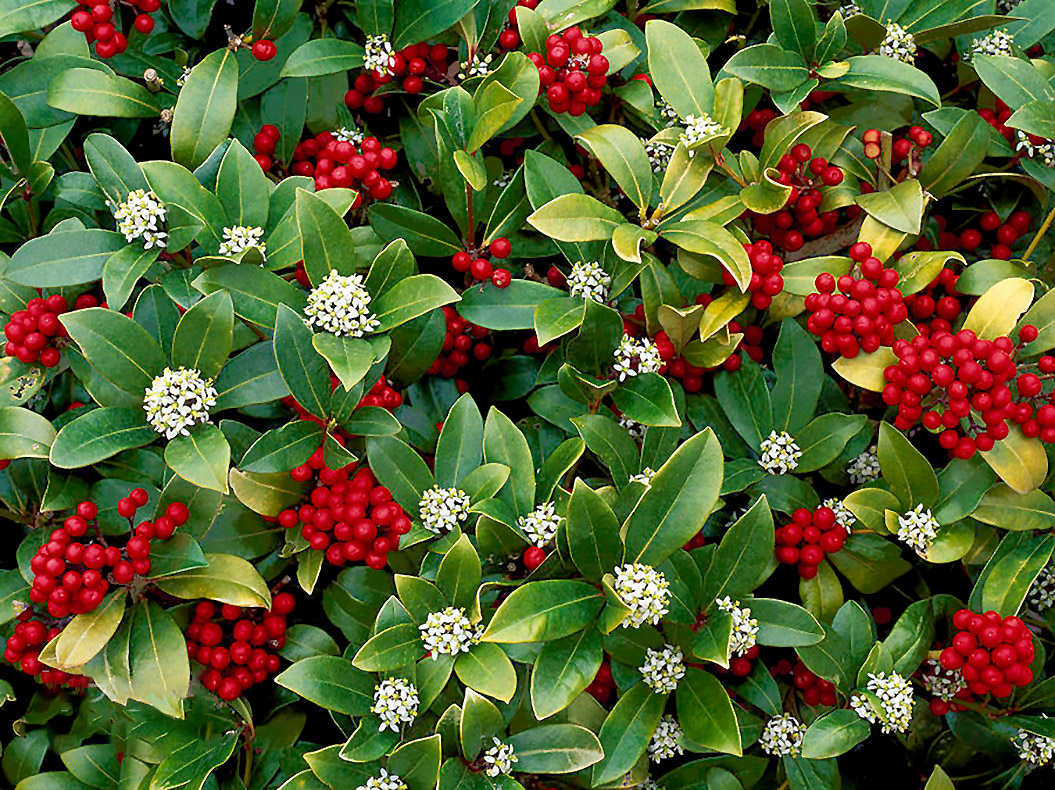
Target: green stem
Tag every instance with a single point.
(1039, 235)
(538, 125)
(470, 220)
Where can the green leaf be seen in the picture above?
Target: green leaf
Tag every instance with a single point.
(869, 562)
(487, 669)
(504, 443)
(512, 307)
(117, 347)
(711, 240)
(123, 270)
(160, 670)
(17, 16)
(647, 399)
(834, 734)
(242, 188)
(390, 649)
(555, 749)
(1016, 81)
(958, 156)
(563, 670)
(503, 98)
(593, 533)
(458, 577)
(256, 292)
(678, 69)
(900, 208)
(544, 610)
(1003, 507)
(331, 682)
(417, 762)
(706, 713)
(795, 26)
(24, 434)
(302, 368)
(910, 475)
(400, 469)
(1005, 585)
(743, 554)
(72, 257)
(99, 434)
(823, 440)
(87, 634)
(797, 364)
(226, 578)
(349, 357)
(204, 334)
(677, 503)
(783, 624)
(202, 457)
(745, 398)
(410, 298)
(769, 66)
(610, 443)
(623, 156)
(423, 233)
(575, 217)
(460, 446)
(96, 765)
(323, 56)
(421, 20)
(627, 730)
(93, 92)
(205, 108)
(273, 18)
(878, 73)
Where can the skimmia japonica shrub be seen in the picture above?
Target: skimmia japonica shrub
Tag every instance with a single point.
(527, 394)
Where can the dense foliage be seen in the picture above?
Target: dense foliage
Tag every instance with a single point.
(413, 394)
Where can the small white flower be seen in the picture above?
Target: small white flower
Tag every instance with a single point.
(588, 280)
(395, 703)
(177, 400)
(1005, 6)
(475, 67)
(735, 516)
(843, 517)
(664, 743)
(782, 736)
(663, 668)
(645, 591)
(849, 9)
(141, 216)
(864, 468)
(340, 305)
(658, 155)
(499, 759)
(634, 430)
(383, 781)
(898, 44)
(635, 356)
(379, 55)
(346, 135)
(699, 129)
(442, 509)
(1042, 151)
(1036, 749)
(650, 784)
(941, 682)
(780, 454)
(745, 627)
(503, 180)
(182, 80)
(918, 528)
(644, 476)
(667, 114)
(239, 238)
(540, 525)
(995, 42)
(1042, 591)
(449, 632)
(894, 694)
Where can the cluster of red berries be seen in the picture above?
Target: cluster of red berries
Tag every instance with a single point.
(572, 72)
(264, 144)
(462, 339)
(96, 21)
(415, 61)
(815, 690)
(755, 122)
(382, 394)
(809, 538)
(1004, 234)
(23, 648)
(993, 653)
(481, 268)
(349, 516)
(766, 281)
(603, 684)
(932, 311)
(863, 316)
(264, 49)
(234, 645)
(916, 140)
(31, 333)
(997, 118)
(71, 576)
(942, 378)
(340, 163)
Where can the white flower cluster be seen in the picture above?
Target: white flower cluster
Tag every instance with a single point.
(658, 155)
(667, 114)
(941, 682)
(664, 743)
(898, 44)
(645, 591)
(379, 55)
(849, 9)
(540, 525)
(782, 736)
(663, 668)
(588, 280)
(177, 400)
(346, 135)
(442, 509)
(1035, 749)
(239, 238)
(499, 759)
(1044, 151)
(503, 180)
(644, 476)
(699, 128)
(635, 356)
(383, 781)
(340, 305)
(918, 528)
(780, 454)
(995, 42)
(843, 517)
(895, 698)
(141, 216)
(745, 627)
(634, 430)
(1042, 591)
(449, 632)
(395, 703)
(475, 67)
(864, 468)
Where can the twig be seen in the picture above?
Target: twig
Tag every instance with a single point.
(1039, 235)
